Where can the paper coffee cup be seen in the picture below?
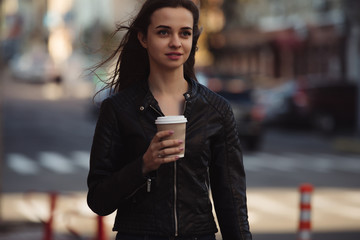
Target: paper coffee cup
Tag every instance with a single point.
(178, 125)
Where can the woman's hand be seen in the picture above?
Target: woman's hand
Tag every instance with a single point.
(160, 150)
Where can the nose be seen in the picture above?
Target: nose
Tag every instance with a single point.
(175, 42)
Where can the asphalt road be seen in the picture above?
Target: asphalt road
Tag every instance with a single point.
(47, 143)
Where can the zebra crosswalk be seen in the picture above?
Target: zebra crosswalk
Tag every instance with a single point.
(48, 161)
(287, 162)
(294, 162)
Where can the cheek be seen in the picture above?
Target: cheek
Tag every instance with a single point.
(158, 44)
(187, 45)
(153, 48)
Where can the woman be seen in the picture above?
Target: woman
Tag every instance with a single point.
(132, 168)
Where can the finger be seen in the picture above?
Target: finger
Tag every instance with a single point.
(162, 134)
(168, 159)
(170, 143)
(170, 151)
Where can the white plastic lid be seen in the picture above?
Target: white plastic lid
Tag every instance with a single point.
(171, 119)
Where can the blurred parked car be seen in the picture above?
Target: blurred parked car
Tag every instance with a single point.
(275, 101)
(325, 106)
(248, 114)
(35, 66)
(328, 106)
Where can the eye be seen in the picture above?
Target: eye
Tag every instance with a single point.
(163, 32)
(186, 34)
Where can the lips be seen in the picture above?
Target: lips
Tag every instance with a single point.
(174, 55)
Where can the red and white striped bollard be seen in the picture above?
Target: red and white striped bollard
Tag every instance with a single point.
(101, 231)
(48, 225)
(305, 212)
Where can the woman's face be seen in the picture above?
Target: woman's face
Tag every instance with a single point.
(169, 38)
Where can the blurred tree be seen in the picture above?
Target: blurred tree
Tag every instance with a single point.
(229, 8)
(1, 61)
(233, 11)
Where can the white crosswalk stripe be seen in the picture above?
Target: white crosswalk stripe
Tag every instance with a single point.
(56, 162)
(81, 158)
(21, 164)
(352, 164)
(291, 162)
(286, 162)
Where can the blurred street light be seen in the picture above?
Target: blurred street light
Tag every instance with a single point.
(60, 45)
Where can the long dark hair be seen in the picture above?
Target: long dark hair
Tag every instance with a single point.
(132, 59)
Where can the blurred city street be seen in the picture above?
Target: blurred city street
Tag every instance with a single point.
(46, 149)
(290, 70)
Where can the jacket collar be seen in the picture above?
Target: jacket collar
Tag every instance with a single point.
(148, 99)
(193, 87)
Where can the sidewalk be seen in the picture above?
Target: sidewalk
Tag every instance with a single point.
(273, 214)
(21, 231)
(24, 216)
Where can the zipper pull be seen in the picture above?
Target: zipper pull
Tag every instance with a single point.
(148, 185)
(157, 111)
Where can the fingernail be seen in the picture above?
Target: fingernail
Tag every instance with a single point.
(181, 141)
(171, 131)
(181, 148)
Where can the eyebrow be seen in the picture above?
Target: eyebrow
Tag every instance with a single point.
(167, 27)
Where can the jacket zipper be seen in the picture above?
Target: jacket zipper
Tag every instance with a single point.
(175, 181)
(157, 111)
(175, 202)
(175, 190)
(148, 185)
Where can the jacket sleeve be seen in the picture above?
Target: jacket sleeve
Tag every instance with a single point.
(228, 183)
(107, 185)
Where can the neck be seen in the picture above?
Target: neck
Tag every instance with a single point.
(171, 82)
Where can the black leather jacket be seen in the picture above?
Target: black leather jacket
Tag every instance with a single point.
(174, 200)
